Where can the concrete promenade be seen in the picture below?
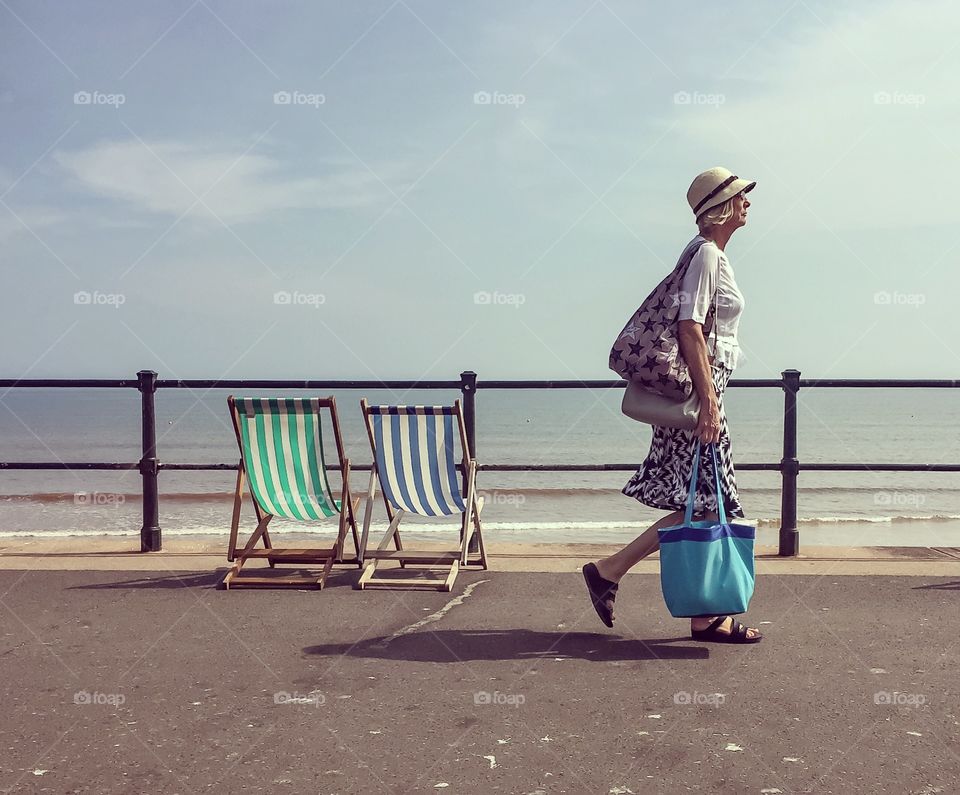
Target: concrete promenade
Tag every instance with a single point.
(126, 673)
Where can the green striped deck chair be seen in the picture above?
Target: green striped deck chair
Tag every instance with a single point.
(282, 462)
(414, 452)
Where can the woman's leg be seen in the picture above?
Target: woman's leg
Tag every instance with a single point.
(619, 563)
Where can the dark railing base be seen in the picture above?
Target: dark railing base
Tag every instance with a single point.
(789, 542)
(150, 539)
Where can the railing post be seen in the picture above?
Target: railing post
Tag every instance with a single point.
(468, 388)
(150, 532)
(789, 467)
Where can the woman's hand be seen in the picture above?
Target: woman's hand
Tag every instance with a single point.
(708, 427)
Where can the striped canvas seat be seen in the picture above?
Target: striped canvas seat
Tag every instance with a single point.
(283, 465)
(283, 455)
(414, 451)
(415, 462)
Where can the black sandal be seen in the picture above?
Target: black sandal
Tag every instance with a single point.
(737, 634)
(601, 592)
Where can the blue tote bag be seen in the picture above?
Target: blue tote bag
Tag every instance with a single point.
(706, 567)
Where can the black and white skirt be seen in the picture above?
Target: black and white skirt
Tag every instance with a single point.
(664, 477)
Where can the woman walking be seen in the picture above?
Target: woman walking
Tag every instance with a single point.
(719, 203)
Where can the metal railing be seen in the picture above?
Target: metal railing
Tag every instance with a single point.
(150, 465)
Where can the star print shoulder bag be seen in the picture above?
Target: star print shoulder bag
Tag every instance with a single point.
(647, 354)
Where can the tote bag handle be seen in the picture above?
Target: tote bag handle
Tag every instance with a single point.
(688, 516)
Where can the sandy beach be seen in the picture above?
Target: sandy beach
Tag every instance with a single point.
(199, 554)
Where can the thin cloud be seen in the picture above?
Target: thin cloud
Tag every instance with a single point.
(28, 219)
(166, 177)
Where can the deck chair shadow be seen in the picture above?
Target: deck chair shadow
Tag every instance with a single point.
(282, 460)
(415, 465)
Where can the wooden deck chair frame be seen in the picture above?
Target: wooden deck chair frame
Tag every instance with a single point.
(324, 557)
(449, 561)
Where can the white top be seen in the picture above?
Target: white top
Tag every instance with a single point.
(710, 270)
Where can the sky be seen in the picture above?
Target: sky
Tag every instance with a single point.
(406, 189)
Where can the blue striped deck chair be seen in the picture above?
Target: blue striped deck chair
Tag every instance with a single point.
(282, 460)
(414, 452)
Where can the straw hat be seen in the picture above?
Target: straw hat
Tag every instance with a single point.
(713, 187)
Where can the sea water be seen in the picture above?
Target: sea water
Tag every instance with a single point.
(519, 427)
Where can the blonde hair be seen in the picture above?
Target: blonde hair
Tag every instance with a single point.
(716, 215)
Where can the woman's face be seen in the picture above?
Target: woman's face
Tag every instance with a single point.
(740, 205)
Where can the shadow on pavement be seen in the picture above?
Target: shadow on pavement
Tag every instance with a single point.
(212, 579)
(187, 580)
(511, 644)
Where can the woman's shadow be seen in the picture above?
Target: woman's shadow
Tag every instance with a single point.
(455, 645)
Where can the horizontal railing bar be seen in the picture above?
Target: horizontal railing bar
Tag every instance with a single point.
(259, 383)
(745, 466)
(110, 383)
(227, 467)
(608, 384)
(167, 383)
(858, 383)
(734, 382)
(571, 384)
(878, 467)
(189, 467)
(590, 467)
(65, 465)
(204, 467)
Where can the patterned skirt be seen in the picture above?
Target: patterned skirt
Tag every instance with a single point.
(664, 477)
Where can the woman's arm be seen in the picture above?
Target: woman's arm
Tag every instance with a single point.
(693, 347)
